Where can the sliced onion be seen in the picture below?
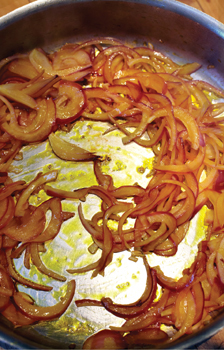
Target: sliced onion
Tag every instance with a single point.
(36, 260)
(28, 230)
(70, 102)
(127, 311)
(155, 103)
(46, 111)
(45, 312)
(69, 151)
(19, 278)
(22, 203)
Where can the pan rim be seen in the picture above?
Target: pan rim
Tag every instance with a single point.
(172, 5)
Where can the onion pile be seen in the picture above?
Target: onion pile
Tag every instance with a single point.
(155, 103)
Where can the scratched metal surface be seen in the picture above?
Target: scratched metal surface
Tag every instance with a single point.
(57, 22)
(124, 280)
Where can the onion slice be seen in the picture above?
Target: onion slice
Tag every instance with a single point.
(36, 260)
(143, 304)
(19, 278)
(46, 312)
(41, 179)
(69, 151)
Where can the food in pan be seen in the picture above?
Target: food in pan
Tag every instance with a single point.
(154, 103)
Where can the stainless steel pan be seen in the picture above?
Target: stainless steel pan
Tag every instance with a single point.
(179, 31)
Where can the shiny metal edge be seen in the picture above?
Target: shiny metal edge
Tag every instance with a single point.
(171, 5)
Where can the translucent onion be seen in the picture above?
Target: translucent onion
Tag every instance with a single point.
(154, 102)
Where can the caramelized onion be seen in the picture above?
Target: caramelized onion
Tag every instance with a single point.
(141, 305)
(46, 116)
(155, 103)
(19, 278)
(45, 312)
(23, 199)
(35, 257)
(69, 151)
(28, 230)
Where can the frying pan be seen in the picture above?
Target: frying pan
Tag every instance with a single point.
(179, 31)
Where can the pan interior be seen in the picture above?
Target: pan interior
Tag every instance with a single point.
(134, 22)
